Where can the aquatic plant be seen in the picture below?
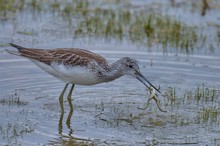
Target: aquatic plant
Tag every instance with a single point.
(11, 131)
(138, 26)
(5, 7)
(171, 96)
(206, 98)
(202, 94)
(208, 115)
(12, 100)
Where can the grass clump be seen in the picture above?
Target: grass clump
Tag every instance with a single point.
(11, 131)
(114, 22)
(202, 94)
(202, 102)
(139, 28)
(13, 100)
(208, 115)
(171, 96)
(6, 6)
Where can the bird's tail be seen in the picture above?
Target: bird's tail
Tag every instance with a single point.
(17, 47)
(15, 52)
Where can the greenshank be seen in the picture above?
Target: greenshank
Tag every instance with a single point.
(80, 67)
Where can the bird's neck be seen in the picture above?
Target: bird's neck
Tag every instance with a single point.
(114, 71)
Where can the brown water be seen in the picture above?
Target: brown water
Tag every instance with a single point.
(108, 113)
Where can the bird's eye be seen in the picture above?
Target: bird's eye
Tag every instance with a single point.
(130, 66)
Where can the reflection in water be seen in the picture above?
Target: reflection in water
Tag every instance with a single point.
(70, 141)
(63, 139)
(68, 121)
(205, 7)
(60, 125)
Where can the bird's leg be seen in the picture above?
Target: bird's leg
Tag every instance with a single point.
(62, 93)
(61, 98)
(70, 100)
(60, 126)
(70, 92)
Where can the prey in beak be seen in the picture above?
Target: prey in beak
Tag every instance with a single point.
(153, 96)
(129, 66)
(144, 80)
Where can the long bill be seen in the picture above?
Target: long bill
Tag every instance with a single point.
(142, 79)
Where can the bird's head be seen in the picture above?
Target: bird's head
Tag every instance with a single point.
(130, 67)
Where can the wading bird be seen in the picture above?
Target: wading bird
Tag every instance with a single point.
(80, 67)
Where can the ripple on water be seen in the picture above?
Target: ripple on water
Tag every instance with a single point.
(106, 113)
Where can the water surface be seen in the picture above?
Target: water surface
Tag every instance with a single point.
(108, 113)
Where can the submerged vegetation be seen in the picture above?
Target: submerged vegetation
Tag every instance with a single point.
(141, 26)
(201, 111)
(126, 23)
(13, 100)
(11, 131)
(203, 100)
(209, 115)
(203, 94)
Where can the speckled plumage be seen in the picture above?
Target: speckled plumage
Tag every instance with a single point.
(79, 66)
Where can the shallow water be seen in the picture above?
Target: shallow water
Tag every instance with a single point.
(108, 113)
(100, 117)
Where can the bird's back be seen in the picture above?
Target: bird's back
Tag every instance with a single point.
(66, 56)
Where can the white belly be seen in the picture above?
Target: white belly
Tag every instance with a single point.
(76, 75)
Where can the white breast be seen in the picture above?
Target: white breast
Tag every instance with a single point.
(48, 69)
(78, 74)
(81, 75)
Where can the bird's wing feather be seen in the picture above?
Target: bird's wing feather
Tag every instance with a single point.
(65, 56)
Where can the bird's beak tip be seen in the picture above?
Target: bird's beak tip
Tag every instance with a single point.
(141, 78)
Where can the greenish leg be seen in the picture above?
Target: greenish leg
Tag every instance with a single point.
(71, 90)
(61, 98)
(62, 93)
(60, 126)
